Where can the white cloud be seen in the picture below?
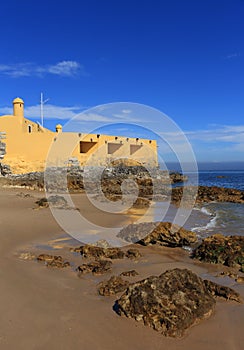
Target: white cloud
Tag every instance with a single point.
(214, 133)
(63, 69)
(232, 55)
(61, 113)
(222, 140)
(218, 133)
(50, 111)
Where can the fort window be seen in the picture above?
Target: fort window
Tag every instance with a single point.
(86, 146)
(134, 148)
(113, 147)
(29, 129)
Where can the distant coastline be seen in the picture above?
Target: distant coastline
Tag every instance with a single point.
(210, 166)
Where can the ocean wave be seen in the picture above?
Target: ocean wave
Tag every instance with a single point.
(206, 211)
(211, 224)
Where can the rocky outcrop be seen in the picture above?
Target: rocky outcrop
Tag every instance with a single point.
(90, 251)
(59, 178)
(177, 177)
(53, 260)
(133, 254)
(151, 183)
(98, 267)
(114, 285)
(130, 273)
(219, 249)
(222, 292)
(219, 194)
(208, 194)
(33, 180)
(160, 233)
(55, 201)
(172, 302)
(93, 251)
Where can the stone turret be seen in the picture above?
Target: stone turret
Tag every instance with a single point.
(59, 128)
(18, 108)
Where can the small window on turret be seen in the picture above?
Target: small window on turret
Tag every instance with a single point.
(29, 129)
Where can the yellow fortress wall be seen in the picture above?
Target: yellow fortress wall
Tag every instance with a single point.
(28, 145)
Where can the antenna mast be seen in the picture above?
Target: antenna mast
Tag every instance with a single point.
(42, 102)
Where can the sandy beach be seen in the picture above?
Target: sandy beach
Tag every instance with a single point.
(47, 308)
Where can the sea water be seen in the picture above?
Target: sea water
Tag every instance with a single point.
(226, 218)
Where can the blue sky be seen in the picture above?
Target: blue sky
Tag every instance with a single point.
(184, 58)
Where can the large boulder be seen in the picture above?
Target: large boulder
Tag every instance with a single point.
(219, 249)
(171, 302)
(160, 233)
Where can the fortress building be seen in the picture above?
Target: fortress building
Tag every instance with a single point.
(26, 145)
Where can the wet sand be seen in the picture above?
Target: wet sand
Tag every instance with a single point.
(45, 308)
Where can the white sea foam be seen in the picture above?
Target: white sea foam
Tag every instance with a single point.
(211, 224)
(206, 211)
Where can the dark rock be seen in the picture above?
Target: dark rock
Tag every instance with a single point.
(141, 203)
(33, 180)
(23, 195)
(177, 177)
(207, 194)
(161, 233)
(219, 249)
(102, 243)
(170, 303)
(76, 249)
(113, 286)
(227, 273)
(133, 253)
(130, 273)
(222, 291)
(98, 267)
(55, 201)
(5, 170)
(42, 203)
(53, 260)
(89, 251)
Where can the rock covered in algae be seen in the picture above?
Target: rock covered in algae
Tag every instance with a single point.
(172, 302)
(160, 233)
(219, 249)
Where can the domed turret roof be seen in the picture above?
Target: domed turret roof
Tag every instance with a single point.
(59, 126)
(18, 100)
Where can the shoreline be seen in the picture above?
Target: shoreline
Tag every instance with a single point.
(51, 308)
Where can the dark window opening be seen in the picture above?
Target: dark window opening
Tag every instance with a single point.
(134, 148)
(29, 129)
(86, 146)
(113, 147)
